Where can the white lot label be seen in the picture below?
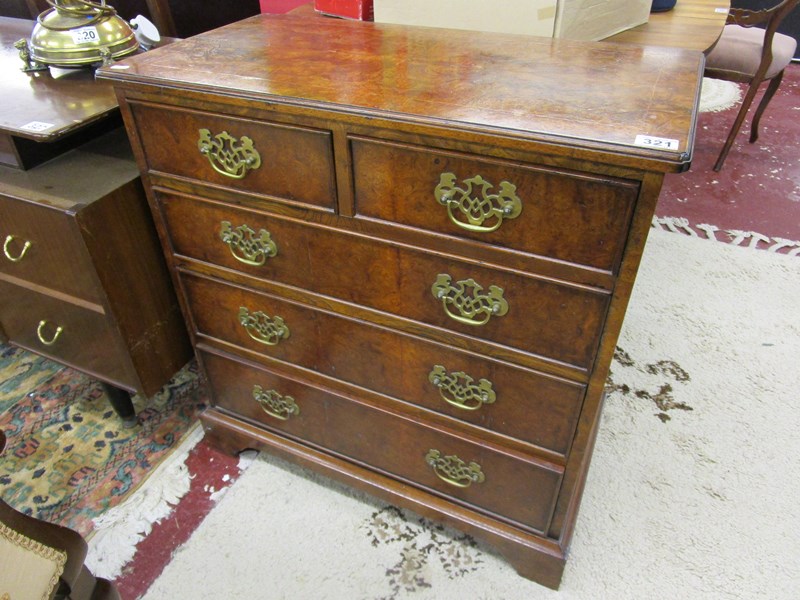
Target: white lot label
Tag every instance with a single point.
(657, 143)
(37, 126)
(85, 35)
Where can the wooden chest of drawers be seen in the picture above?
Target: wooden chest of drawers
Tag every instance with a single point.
(405, 254)
(82, 277)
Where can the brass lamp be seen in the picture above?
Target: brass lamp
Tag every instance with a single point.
(74, 33)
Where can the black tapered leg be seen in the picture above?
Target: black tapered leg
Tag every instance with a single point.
(122, 404)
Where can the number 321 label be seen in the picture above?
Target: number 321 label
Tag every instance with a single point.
(85, 35)
(658, 143)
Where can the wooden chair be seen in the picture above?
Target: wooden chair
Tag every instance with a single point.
(751, 55)
(44, 561)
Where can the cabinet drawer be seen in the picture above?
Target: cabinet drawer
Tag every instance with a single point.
(42, 246)
(286, 162)
(64, 332)
(522, 490)
(577, 218)
(474, 389)
(537, 316)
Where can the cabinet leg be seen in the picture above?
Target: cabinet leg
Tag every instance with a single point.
(122, 404)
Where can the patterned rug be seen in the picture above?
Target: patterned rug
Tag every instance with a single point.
(68, 459)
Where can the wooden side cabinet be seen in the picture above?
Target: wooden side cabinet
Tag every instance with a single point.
(82, 277)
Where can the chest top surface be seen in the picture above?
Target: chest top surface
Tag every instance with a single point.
(588, 94)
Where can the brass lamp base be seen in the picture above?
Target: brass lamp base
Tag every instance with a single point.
(75, 33)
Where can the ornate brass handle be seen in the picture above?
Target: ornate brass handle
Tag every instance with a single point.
(246, 246)
(465, 297)
(453, 470)
(40, 333)
(460, 390)
(274, 404)
(263, 328)
(229, 156)
(482, 212)
(7, 251)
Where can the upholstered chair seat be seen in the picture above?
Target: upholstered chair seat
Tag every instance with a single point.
(738, 52)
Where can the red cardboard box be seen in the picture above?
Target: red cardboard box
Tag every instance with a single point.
(349, 9)
(277, 7)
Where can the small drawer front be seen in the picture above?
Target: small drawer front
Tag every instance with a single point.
(580, 219)
(474, 389)
(522, 490)
(285, 162)
(64, 332)
(537, 316)
(43, 246)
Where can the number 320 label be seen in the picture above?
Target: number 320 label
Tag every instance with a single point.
(648, 141)
(84, 35)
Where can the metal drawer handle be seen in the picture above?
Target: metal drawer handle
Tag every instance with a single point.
(263, 328)
(274, 404)
(7, 252)
(460, 390)
(464, 302)
(246, 246)
(40, 333)
(472, 207)
(229, 156)
(453, 470)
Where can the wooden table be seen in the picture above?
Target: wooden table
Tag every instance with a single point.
(44, 113)
(692, 24)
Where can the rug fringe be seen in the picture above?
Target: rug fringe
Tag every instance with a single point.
(118, 531)
(736, 237)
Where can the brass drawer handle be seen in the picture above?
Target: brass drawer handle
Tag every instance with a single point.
(453, 470)
(472, 207)
(229, 156)
(7, 251)
(40, 333)
(274, 404)
(263, 328)
(246, 246)
(464, 302)
(460, 390)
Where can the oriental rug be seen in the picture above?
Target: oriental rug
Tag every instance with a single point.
(691, 494)
(68, 459)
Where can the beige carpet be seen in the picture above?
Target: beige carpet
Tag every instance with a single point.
(692, 493)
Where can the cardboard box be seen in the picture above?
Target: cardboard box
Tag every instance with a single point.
(574, 19)
(349, 9)
(277, 7)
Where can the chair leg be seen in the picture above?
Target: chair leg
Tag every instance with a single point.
(737, 124)
(774, 84)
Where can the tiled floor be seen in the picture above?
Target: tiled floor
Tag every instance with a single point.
(758, 190)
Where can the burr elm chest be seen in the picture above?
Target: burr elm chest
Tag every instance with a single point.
(404, 254)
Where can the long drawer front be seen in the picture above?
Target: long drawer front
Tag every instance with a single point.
(521, 490)
(65, 332)
(534, 315)
(472, 388)
(42, 246)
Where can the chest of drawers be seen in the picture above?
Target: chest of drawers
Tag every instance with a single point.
(82, 277)
(404, 254)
